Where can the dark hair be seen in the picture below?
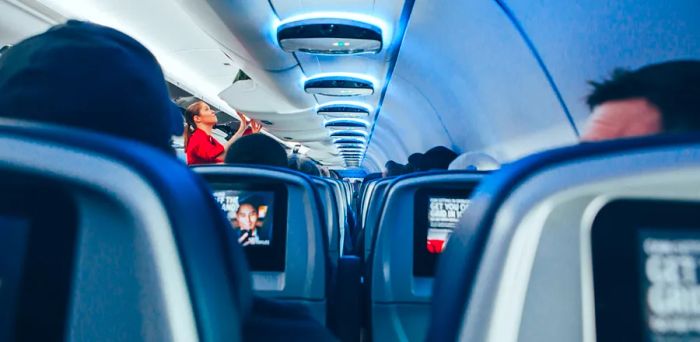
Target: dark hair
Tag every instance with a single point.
(394, 169)
(257, 149)
(414, 161)
(91, 77)
(190, 126)
(303, 165)
(438, 157)
(673, 87)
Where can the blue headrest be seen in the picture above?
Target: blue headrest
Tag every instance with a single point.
(214, 265)
(458, 265)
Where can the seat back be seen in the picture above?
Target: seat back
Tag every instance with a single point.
(416, 219)
(366, 196)
(289, 260)
(561, 244)
(105, 238)
(374, 208)
(330, 212)
(343, 205)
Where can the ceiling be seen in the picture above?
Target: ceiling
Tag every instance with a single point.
(505, 77)
(275, 94)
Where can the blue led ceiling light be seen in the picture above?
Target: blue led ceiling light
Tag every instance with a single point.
(344, 110)
(348, 134)
(347, 124)
(339, 86)
(329, 36)
(353, 140)
(351, 146)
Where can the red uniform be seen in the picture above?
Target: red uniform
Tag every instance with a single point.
(203, 149)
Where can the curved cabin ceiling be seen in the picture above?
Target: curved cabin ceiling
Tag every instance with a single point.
(504, 77)
(466, 66)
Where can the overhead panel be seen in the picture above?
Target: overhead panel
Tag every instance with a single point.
(381, 14)
(330, 36)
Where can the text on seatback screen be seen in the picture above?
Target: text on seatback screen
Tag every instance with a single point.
(670, 284)
(443, 215)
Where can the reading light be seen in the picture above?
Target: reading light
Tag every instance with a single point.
(329, 36)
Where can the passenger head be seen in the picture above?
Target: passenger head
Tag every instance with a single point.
(92, 77)
(414, 161)
(437, 158)
(257, 149)
(303, 165)
(393, 168)
(325, 172)
(198, 115)
(657, 98)
(474, 161)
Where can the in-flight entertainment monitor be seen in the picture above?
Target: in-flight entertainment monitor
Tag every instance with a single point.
(437, 212)
(38, 234)
(258, 219)
(646, 258)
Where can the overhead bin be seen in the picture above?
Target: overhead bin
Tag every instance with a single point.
(244, 31)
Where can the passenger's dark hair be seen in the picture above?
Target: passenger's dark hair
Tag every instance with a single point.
(90, 77)
(304, 165)
(257, 149)
(394, 169)
(673, 87)
(438, 157)
(414, 161)
(190, 126)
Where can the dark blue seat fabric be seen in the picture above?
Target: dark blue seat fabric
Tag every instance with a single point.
(458, 266)
(215, 270)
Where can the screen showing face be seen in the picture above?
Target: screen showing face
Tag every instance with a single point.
(443, 215)
(670, 284)
(250, 213)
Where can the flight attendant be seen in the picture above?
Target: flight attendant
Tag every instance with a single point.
(200, 146)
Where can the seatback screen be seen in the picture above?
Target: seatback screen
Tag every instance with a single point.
(670, 286)
(443, 215)
(257, 214)
(14, 233)
(436, 214)
(248, 212)
(646, 258)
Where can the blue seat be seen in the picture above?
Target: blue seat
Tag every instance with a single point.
(401, 264)
(374, 209)
(302, 269)
(133, 247)
(303, 273)
(330, 210)
(520, 265)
